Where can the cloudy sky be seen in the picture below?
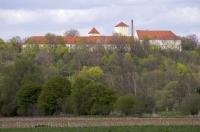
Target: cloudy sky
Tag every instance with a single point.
(36, 17)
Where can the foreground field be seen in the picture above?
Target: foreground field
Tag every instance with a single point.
(63, 122)
(111, 129)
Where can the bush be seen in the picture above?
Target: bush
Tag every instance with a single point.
(191, 105)
(127, 105)
(171, 114)
(190, 42)
(2, 44)
(27, 98)
(92, 99)
(148, 104)
(53, 95)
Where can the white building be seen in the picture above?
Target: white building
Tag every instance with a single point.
(122, 29)
(164, 39)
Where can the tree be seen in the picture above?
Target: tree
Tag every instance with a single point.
(181, 69)
(165, 99)
(127, 105)
(94, 73)
(23, 70)
(89, 96)
(191, 105)
(53, 95)
(92, 99)
(104, 101)
(27, 97)
(190, 42)
(72, 33)
(15, 40)
(2, 44)
(148, 103)
(60, 40)
(53, 39)
(60, 51)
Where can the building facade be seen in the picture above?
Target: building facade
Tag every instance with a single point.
(122, 29)
(162, 38)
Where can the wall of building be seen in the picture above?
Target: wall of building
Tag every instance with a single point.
(167, 44)
(94, 34)
(124, 31)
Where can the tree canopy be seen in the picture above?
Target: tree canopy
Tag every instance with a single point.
(128, 78)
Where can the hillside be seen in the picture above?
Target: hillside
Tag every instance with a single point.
(56, 80)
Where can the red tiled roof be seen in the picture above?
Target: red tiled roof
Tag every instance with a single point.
(75, 40)
(121, 24)
(70, 39)
(156, 35)
(37, 40)
(91, 40)
(94, 31)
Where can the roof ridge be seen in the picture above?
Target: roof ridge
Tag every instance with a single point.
(157, 34)
(94, 31)
(121, 24)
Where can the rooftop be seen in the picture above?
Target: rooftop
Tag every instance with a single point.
(94, 31)
(121, 24)
(156, 35)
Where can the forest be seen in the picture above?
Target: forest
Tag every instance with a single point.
(56, 80)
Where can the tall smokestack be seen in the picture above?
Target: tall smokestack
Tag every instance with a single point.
(132, 29)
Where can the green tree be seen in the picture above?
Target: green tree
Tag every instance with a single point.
(89, 96)
(165, 99)
(91, 72)
(127, 105)
(14, 76)
(27, 98)
(60, 51)
(53, 95)
(191, 105)
(92, 98)
(190, 42)
(181, 69)
(2, 44)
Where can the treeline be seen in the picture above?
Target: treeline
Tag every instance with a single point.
(80, 81)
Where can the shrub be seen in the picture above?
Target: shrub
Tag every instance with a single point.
(27, 98)
(148, 104)
(127, 105)
(53, 95)
(191, 105)
(92, 99)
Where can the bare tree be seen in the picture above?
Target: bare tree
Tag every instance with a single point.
(190, 42)
(53, 39)
(72, 32)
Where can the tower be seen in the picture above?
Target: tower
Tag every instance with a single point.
(132, 29)
(122, 29)
(94, 32)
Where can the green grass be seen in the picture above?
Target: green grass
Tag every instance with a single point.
(111, 129)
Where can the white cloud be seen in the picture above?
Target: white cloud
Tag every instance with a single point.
(157, 14)
(8, 16)
(186, 15)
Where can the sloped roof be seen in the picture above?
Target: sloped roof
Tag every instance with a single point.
(94, 31)
(156, 35)
(37, 40)
(121, 24)
(75, 39)
(70, 39)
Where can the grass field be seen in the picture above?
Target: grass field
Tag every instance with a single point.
(111, 129)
